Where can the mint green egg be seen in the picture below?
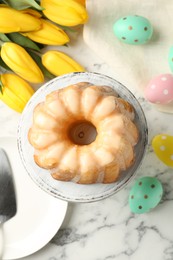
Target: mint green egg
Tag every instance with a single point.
(133, 29)
(170, 58)
(145, 195)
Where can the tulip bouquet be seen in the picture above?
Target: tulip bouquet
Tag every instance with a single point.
(26, 26)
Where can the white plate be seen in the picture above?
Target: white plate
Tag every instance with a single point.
(39, 215)
(68, 190)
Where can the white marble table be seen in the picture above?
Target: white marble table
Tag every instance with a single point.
(107, 230)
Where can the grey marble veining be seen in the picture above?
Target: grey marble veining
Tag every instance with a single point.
(107, 230)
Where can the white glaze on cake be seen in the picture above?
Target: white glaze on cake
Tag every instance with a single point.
(99, 161)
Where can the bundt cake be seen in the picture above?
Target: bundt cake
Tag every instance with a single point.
(84, 133)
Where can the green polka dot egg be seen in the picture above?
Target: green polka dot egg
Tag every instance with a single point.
(145, 195)
(170, 58)
(133, 29)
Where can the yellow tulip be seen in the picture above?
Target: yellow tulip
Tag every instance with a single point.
(83, 2)
(67, 13)
(16, 91)
(19, 61)
(12, 20)
(31, 12)
(48, 34)
(59, 63)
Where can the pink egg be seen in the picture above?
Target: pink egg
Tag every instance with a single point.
(160, 89)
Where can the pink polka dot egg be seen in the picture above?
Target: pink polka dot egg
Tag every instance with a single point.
(160, 89)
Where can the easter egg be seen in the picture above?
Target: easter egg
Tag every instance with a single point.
(145, 195)
(163, 147)
(133, 29)
(170, 58)
(160, 89)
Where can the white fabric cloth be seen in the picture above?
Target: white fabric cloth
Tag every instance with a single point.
(134, 66)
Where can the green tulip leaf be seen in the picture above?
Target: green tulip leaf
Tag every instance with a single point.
(23, 4)
(23, 41)
(4, 38)
(37, 59)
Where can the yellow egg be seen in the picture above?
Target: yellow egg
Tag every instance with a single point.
(163, 147)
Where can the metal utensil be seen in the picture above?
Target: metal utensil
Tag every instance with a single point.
(8, 205)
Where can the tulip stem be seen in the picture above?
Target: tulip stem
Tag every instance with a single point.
(37, 57)
(2, 70)
(1, 43)
(66, 28)
(1, 86)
